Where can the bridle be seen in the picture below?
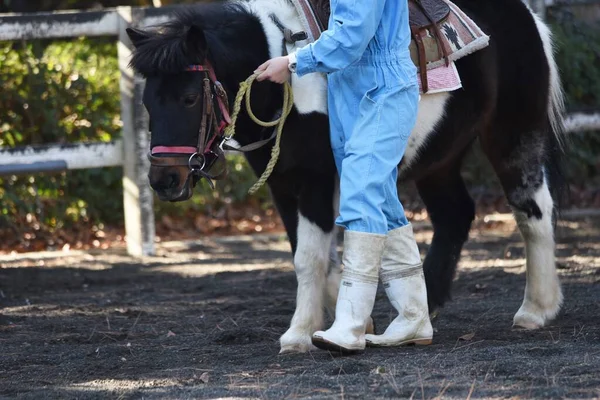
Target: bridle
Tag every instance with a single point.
(216, 130)
(211, 136)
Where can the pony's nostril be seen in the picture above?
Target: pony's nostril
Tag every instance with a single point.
(173, 181)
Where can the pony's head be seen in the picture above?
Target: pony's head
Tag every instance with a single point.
(187, 106)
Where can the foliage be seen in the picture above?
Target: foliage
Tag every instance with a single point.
(578, 58)
(62, 91)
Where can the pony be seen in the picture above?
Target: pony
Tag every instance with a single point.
(511, 103)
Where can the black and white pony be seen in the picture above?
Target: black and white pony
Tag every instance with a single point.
(511, 101)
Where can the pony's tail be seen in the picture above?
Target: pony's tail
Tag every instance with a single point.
(556, 138)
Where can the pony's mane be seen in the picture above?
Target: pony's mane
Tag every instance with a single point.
(322, 9)
(165, 49)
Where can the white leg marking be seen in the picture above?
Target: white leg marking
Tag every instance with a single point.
(311, 262)
(430, 113)
(543, 296)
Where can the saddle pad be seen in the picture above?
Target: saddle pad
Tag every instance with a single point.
(442, 79)
(460, 36)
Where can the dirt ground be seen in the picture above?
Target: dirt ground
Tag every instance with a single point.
(202, 320)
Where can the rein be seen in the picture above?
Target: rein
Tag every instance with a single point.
(244, 93)
(210, 149)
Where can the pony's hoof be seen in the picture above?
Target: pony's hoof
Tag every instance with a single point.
(295, 342)
(531, 316)
(526, 320)
(296, 349)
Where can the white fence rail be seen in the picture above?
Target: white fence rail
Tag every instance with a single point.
(73, 155)
(580, 122)
(130, 151)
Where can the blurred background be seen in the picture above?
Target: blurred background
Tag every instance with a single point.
(58, 91)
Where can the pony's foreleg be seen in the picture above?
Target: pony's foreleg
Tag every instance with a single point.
(522, 174)
(315, 230)
(311, 263)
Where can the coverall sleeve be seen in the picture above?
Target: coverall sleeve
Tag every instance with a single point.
(354, 25)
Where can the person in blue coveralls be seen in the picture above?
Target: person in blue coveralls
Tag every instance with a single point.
(373, 96)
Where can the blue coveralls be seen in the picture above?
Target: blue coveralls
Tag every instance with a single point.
(372, 98)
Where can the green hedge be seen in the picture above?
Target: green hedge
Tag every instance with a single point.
(579, 63)
(56, 92)
(67, 91)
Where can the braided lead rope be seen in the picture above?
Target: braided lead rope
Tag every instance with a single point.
(244, 93)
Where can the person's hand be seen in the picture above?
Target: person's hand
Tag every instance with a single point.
(276, 70)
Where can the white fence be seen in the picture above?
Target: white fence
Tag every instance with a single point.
(130, 151)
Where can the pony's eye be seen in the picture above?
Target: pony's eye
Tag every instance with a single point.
(190, 100)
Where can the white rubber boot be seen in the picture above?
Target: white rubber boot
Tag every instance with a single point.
(361, 261)
(402, 277)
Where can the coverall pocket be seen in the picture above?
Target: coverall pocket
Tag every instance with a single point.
(406, 100)
(367, 79)
(400, 76)
(371, 93)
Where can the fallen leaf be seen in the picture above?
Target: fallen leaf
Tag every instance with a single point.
(379, 370)
(467, 337)
(204, 377)
(480, 287)
(168, 222)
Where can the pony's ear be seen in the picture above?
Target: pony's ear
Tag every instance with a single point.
(195, 41)
(136, 36)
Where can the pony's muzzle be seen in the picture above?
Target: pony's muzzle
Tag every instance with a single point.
(172, 183)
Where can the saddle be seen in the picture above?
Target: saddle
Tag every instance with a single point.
(425, 18)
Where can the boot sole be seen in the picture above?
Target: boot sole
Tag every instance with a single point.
(330, 346)
(415, 342)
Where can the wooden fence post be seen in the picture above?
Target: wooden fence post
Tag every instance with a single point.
(137, 194)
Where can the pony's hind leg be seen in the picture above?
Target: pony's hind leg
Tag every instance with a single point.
(543, 296)
(334, 271)
(451, 211)
(525, 184)
(334, 276)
